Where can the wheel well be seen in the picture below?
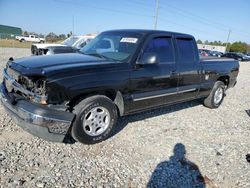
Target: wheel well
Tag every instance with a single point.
(113, 95)
(224, 79)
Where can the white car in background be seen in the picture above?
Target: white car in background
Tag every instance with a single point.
(70, 45)
(30, 38)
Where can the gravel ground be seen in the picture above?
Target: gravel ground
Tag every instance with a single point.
(174, 146)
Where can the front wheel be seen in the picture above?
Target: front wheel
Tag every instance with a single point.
(95, 119)
(216, 96)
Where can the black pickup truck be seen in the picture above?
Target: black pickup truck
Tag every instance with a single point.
(120, 72)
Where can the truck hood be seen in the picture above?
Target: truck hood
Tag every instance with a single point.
(37, 65)
(42, 46)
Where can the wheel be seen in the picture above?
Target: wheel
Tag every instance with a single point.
(34, 50)
(22, 40)
(216, 96)
(41, 41)
(95, 119)
(239, 59)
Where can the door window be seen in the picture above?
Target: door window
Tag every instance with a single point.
(162, 47)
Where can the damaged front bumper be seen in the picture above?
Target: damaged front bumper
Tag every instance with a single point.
(37, 119)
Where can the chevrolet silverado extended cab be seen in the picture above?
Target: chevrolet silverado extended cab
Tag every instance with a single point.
(118, 73)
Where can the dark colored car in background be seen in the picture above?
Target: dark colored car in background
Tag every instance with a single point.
(203, 53)
(216, 53)
(236, 56)
(248, 55)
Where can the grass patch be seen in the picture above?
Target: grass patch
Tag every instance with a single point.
(11, 43)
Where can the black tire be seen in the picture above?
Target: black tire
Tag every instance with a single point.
(210, 100)
(22, 40)
(83, 110)
(34, 50)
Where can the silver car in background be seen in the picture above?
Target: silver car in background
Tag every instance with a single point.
(70, 45)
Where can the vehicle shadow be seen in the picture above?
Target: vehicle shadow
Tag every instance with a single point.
(124, 121)
(177, 172)
(248, 112)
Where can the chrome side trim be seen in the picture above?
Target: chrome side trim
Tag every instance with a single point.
(163, 95)
(150, 97)
(187, 90)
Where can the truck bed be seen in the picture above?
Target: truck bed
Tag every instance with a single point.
(224, 66)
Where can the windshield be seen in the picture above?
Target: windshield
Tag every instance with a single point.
(81, 42)
(70, 41)
(118, 46)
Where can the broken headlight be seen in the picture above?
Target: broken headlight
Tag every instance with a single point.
(36, 87)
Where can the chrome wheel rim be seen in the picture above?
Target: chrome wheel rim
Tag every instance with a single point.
(218, 95)
(96, 121)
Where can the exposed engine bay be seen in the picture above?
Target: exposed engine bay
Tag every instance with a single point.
(33, 88)
(34, 85)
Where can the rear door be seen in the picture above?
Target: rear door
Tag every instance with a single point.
(188, 67)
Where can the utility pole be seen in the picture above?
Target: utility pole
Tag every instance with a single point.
(73, 25)
(228, 38)
(156, 13)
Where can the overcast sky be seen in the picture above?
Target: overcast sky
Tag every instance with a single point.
(206, 20)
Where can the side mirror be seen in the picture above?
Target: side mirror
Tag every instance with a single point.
(147, 59)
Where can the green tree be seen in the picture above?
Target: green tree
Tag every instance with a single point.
(224, 44)
(228, 46)
(211, 43)
(62, 36)
(25, 33)
(248, 48)
(199, 41)
(238, 47)
(52, 37)
(69, 34)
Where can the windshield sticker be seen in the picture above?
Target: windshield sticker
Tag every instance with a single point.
(129, 40)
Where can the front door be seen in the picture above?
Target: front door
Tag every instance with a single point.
(154, 84)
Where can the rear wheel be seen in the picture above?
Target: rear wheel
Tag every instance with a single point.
(95, 119)
(216, 96)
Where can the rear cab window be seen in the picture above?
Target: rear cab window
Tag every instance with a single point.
(186, 50)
